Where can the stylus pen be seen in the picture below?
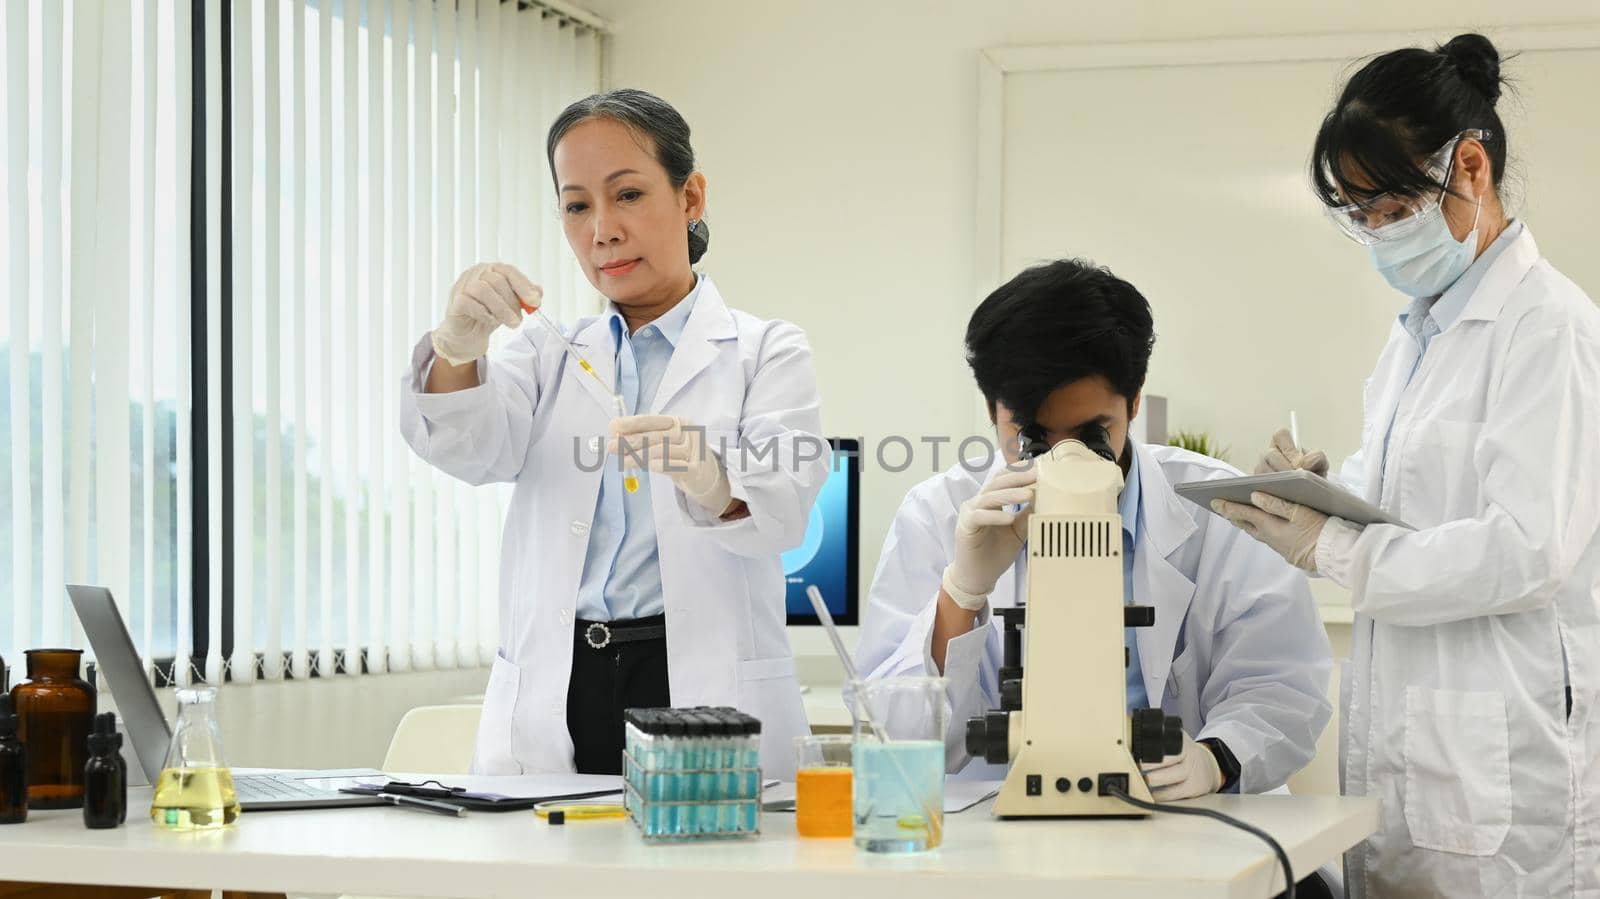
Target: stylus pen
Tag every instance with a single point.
(426, 805)
(1294, 428)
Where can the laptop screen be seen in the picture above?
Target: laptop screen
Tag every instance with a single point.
(142, 718)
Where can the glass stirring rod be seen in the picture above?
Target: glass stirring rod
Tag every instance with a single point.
(630, 482)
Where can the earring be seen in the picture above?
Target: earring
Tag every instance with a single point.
(693, 224)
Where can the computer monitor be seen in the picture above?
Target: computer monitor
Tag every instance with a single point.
(829, 555)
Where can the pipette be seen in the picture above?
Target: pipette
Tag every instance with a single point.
(630, 482)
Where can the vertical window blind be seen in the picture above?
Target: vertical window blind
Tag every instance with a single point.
(352, 156)
(97, 301)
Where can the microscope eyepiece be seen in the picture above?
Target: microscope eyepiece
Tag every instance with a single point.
(1035, 441)
(1096, 438)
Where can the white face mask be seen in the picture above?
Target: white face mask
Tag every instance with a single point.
(1427, 261)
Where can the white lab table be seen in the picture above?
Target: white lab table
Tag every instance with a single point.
(400, 852)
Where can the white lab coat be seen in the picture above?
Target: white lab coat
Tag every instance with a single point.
(1467, 629)
(1237, 650)
(535, 413)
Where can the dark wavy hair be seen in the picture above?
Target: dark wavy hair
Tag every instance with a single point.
(1054, 324)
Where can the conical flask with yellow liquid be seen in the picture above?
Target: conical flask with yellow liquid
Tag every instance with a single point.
(195, 790)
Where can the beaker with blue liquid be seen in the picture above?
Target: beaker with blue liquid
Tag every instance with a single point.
(898, 764)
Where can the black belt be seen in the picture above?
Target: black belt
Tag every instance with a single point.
(602, 634)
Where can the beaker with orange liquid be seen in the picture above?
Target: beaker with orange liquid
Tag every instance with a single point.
(823, 786)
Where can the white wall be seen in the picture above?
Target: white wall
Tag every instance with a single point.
(838, 141)
(1217, 151)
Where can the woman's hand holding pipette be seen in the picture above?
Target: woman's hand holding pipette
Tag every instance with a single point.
(676, 448)
(485, 297)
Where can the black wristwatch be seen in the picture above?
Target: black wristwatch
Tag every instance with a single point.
(1225, 761)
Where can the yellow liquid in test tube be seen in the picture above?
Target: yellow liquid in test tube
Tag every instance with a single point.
(630, 482)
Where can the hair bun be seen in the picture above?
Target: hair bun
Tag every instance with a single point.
(1477, 62)
(699, 240)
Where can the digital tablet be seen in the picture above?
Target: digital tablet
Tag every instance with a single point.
(1297, 486)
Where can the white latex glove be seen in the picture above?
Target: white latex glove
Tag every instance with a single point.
(676, 448)
(1283, 455)
(1289, 528)
(989, 536)
(1192, 772)
(485, 297)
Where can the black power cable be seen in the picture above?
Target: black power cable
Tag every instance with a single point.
(1283, 857)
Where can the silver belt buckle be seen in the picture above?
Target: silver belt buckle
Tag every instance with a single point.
(605, 635)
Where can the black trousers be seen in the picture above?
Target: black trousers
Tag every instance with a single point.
(623, 675)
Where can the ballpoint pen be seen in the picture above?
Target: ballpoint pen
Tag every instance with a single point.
(427, 805)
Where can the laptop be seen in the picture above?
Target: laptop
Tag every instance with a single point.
(148, 732)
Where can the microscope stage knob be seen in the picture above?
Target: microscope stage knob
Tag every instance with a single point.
(1149, 736)
(1011, 694)
(989, 737)
(1172, 739)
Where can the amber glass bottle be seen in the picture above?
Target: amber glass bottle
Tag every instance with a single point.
(56, 709)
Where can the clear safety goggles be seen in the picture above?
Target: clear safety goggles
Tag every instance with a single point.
(1391, 217)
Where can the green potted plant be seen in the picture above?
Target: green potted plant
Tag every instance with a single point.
(1199, 442)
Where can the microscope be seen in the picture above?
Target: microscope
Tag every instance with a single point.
(1065, 726)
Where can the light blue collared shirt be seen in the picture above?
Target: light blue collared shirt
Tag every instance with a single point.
(1428, 317)
(1128, 507)
(621, 568)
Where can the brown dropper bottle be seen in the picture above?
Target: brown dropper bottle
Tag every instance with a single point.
(105, 800)
(13, 767)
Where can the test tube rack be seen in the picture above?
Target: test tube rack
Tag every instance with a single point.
(692, 773)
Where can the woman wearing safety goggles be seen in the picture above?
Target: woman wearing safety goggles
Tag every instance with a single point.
(1410, 237)
(1470, 693)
